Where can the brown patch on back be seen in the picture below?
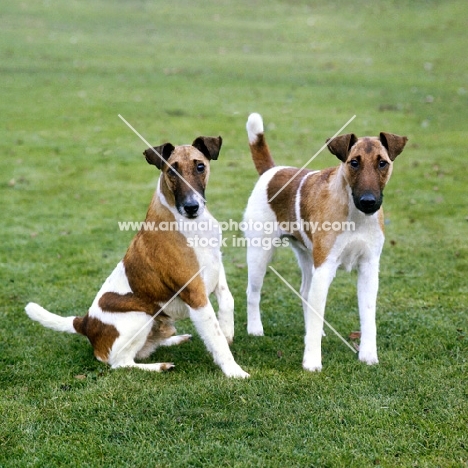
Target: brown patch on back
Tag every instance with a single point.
(101, 335)
(324, 200)
(324, 175)
(284, 202)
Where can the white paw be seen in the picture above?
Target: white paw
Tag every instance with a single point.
(369, 358)
(255, 330)
(176, 340)
(165, 366)
(312, 366)
(184, 338)
(236, 372)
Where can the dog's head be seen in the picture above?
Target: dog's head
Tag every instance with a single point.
(368, 165)
(185, 171)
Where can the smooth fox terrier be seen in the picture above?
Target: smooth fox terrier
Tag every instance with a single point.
(157, 283)
(350, 192)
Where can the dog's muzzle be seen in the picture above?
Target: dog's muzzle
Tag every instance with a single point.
(191, 207)
(367, 202)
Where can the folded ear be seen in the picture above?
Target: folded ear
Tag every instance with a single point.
(209, 146)
(394, 144)
(157, 154)
(340, 145)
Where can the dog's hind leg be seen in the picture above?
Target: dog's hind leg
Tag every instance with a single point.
(257, 262)
(134, 329)
(304, 258)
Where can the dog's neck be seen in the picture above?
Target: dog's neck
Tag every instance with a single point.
(339, 185)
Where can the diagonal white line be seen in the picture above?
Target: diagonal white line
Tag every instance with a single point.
(155, 152)
(311, 159)
(313, 310)
(161, 309)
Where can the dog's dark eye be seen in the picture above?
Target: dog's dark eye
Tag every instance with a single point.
(171, 172)
(383, 163)
(354, 163)
(200, 168)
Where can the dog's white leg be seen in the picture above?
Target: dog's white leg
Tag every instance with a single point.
(155, 367)
(304, 258)
(314, 313)
(226, 306)
(257, 262)
(133, 328)
(368, 285)
(175, 340)
(208, 327)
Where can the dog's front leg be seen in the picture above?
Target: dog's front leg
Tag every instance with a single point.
(208, 328)
(368, 285)
(313, 314)
(226, 306)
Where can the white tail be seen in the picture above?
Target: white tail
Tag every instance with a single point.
(49, 320)
(254, 127)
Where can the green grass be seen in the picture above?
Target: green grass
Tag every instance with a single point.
(70, 170)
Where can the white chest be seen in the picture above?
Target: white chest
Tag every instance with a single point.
(204, 236)
(361, 242)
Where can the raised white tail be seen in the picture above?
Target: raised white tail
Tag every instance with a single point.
(49, 320)
(258, 147)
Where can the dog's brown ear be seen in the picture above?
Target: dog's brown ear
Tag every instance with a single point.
(209, 146)
(394, 144)
(340, 145)
(157, 154)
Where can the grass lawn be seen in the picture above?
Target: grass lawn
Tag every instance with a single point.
(70, 170)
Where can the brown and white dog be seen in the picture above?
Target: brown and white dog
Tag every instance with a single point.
(348, 195)
(162, 278)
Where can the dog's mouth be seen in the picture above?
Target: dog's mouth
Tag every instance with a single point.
(188, 216)
(368, 203)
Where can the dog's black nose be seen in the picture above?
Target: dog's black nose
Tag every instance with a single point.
(368, 201)
(191, 208)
